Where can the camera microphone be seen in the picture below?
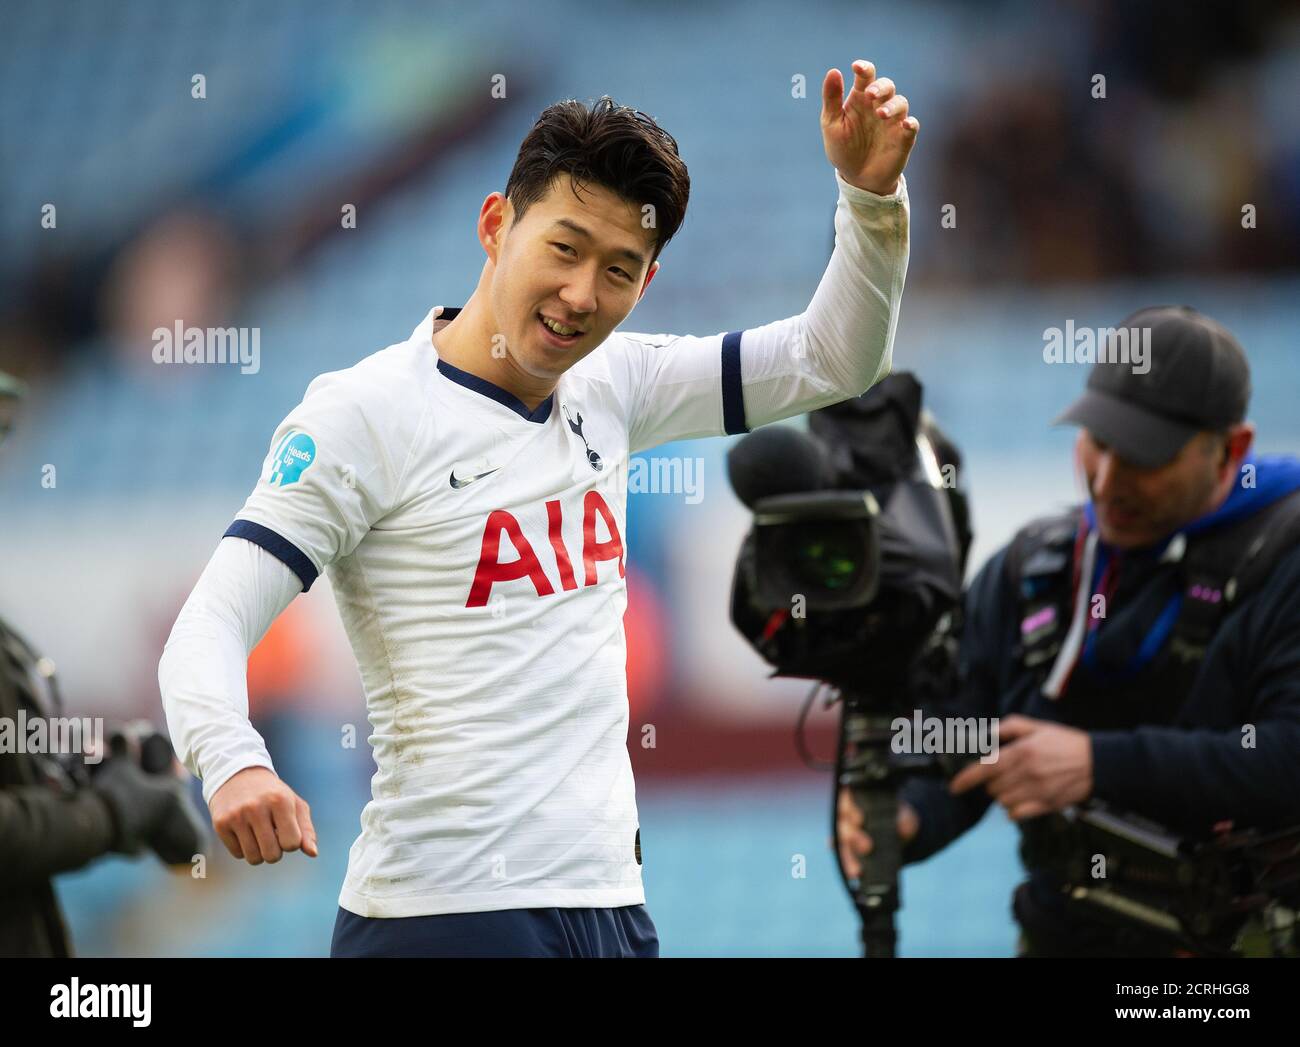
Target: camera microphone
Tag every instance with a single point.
(778, 459)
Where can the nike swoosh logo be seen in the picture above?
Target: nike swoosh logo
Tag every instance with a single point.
(465, 481)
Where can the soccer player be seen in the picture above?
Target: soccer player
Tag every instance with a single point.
(466, 491)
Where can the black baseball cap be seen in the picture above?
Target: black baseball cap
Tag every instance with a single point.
(1196, 378)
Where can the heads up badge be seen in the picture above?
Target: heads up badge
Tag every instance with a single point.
(291, 459)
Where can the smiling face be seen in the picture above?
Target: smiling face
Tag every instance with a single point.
(1139, 507)
(582, 261)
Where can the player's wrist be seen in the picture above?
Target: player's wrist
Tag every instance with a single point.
(859, 193)
(874, 188)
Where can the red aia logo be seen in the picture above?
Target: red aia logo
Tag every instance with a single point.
(499, 522)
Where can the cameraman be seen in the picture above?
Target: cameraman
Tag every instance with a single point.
(1127, 644)
(53, 816)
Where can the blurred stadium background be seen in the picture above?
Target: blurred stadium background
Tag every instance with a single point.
(225, 211)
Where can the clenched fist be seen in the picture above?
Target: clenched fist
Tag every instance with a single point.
(259, 818)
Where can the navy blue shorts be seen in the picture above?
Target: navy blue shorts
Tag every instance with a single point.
(626, 932)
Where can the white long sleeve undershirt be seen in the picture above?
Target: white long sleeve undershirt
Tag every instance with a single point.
(203, 673)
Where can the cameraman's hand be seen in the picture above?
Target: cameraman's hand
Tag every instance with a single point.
(855, 842)
(149, 810)
(1041, 767)
(259, 818)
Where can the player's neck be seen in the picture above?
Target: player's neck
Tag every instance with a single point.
(467, 343)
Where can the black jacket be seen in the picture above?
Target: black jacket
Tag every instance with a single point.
(1188, 768)
(43, 831)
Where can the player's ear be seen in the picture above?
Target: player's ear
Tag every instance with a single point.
(493, 218)
(650, 275)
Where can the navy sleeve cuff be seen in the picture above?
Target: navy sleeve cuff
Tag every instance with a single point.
(1116, 772)
(733, 393)
(281, 548)
(943, 817)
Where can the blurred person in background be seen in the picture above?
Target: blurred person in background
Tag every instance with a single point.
(1186, 181)
(182, 267)
(55, 814)
(1125, 643)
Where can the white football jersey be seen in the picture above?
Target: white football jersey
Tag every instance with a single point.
(477, 553)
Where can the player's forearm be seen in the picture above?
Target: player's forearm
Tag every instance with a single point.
(843, 342)
(848, 328)
(203, 671)
(206, 703)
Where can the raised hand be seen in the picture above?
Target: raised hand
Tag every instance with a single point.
(868, 135)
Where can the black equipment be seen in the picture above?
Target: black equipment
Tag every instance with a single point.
(852, 575)
(1230, 894)
(150, 778)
